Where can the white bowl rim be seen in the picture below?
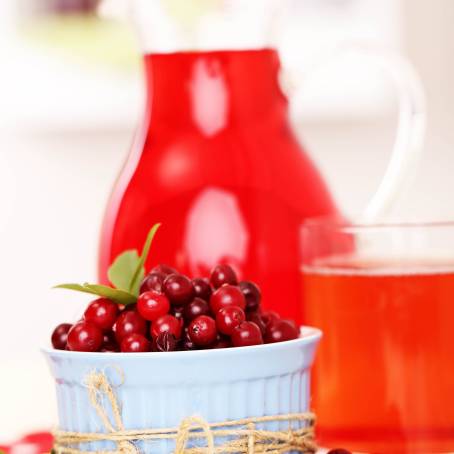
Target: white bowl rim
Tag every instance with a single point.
(308, 335)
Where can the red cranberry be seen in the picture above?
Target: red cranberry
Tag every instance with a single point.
(152, 281)
(195, 308)
(165, 342)
(33, 442)
(110, 348)
(338, 451)
(177, 312)
(108, 336)
(178, 289)
(129, 307)
(151, 305)
(109, 343)
(223, 274)
(251, 294)
(166, 323)
(164, 269)
(60, 336)
(188, 345)
(256, 317)
(202, 330)
(186, 342)
(221, 342)
(129, 322)
(135, 343)
(294, 324)
(84, 336)
(102, 312)
(280, 331)
(269, 317)
(229, 318)
(248, 333)
(227, 295)
(202, 288)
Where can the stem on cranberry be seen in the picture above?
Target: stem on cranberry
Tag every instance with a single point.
(178, 312)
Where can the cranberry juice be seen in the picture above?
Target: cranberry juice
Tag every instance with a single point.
(217, 163)
(384, 375)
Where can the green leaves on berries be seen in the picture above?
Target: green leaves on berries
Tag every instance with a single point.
(125, 274)
(113, 294)
(122, 269)
(139, 272)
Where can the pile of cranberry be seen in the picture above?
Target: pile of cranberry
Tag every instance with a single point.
(174, 312)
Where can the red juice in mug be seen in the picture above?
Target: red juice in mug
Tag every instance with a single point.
(384, 374)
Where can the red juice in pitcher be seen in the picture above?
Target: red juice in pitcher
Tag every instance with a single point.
(215, 158)
(216, 161)
(383, 378)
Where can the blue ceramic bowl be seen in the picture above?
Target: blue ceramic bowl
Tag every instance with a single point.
(161, 389)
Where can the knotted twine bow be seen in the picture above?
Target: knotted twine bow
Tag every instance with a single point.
(247, 439)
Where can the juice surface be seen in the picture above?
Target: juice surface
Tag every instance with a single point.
(216, 162)
(384, 374)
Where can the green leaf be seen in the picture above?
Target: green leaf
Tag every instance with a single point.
(140, 271)
(134, 288)
(115, 295)
(126, 273)
(122, 270)
(76, 287)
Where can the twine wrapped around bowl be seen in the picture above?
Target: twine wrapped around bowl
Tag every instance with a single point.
(244, 400)
(243, 435)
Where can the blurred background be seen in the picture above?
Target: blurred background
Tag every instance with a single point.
(71, 97)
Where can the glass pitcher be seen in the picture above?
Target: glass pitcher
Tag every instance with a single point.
(215, 158)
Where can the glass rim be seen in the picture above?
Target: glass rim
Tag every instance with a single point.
(340, 223)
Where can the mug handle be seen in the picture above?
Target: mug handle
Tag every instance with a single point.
(409, 141)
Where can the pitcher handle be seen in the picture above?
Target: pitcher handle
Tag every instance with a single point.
(410, 134)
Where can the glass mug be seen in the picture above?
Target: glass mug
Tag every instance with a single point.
(384, 297)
